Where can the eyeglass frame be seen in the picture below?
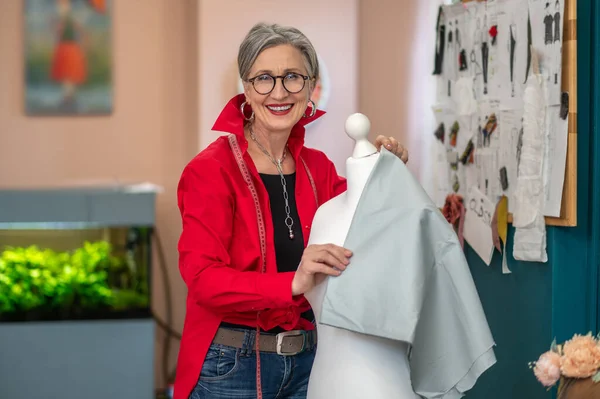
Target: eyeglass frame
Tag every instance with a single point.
(304, 79)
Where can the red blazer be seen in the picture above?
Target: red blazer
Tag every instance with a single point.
(220, 245)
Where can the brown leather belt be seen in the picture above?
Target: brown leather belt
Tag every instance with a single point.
(287, 343)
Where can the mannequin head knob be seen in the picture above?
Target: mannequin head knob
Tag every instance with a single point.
(358, 127)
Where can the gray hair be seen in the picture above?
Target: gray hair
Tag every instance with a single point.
(263, 36)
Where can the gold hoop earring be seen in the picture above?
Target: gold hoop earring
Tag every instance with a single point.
(242, 108)
(313, 109)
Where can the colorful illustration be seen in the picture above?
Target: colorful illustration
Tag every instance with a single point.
(440, 132)
(68, 57)
(490, 126)
(454, 134)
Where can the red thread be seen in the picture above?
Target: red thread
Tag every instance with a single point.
(237, 152)
(263, 244)
(312, 181)
(258, 374)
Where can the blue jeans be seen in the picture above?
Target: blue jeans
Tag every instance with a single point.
(230, 373)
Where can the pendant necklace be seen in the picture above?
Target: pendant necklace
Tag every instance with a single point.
(289, 222)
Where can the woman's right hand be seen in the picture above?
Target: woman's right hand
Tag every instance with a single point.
(326, 259)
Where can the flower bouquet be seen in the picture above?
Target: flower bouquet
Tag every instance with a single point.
(574, 365)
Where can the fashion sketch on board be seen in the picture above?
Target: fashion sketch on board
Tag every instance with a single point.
(548, 26)
(510, 171)
(552, 38)
(476, 69)
(485, 54)
(488, 129)
(519, 146)
(440, 43)
(462, 55)
(556, 44)
(512, 31)
(480, 45)
(451, 57)
(511, 55)
(510, 147)
(529, 44)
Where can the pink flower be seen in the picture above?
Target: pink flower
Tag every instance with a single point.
(581, 357)
(547, 369)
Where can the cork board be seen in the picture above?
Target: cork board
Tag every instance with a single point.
(568, 212)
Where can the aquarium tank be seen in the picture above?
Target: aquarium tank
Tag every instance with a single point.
(75, 276)
(103, 277)
(58, 264)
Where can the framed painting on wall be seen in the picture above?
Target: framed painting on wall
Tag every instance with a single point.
(68, 57)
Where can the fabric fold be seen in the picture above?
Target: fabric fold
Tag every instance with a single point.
(409, 281)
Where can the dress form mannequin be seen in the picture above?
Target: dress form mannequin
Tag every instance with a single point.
(350, 365)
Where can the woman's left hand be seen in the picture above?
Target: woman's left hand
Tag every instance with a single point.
(392, 145)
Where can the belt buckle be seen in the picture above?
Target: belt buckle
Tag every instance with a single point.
(294, 333)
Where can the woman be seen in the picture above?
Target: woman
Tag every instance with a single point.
(247, 202)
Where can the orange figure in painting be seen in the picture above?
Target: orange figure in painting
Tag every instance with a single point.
(69, 65)
(98, 5)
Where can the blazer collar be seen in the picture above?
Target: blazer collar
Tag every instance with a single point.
(232, 121)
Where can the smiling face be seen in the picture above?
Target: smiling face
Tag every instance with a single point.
(280, 110)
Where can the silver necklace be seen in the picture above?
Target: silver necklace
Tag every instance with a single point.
(289, 222)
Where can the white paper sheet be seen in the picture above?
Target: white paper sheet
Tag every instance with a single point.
(491, 20)
(463, 41)
(547, 32)
(528, 219)
(464, 97)
(486, 110)
(512, 52)
(483, 54)
(452, 47)
(486, 161)
(441, 174)
(477, 226)
(511, 141)
(450, 68)
(458, 132)
(555, 160)
(487, 150)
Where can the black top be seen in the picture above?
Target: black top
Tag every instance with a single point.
(288, 252)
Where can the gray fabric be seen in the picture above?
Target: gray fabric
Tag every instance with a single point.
(409, 281)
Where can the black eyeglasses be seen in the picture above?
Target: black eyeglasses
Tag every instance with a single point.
(292, 82)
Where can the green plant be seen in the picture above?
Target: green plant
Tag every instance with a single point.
(42, 281)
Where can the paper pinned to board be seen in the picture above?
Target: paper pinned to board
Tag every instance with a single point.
(513, 52)
(547, 24)
(464, 97)
(478, 224)
(557, 136)
(528, 219)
